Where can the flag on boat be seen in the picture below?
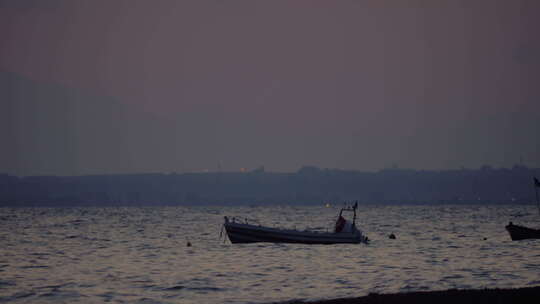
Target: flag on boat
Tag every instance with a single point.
(536, 182)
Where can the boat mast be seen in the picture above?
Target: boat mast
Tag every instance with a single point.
(536, 185)
(354, 213)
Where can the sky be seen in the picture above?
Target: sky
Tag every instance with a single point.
(131, 86)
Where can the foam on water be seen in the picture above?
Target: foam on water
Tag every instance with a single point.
(92, 255)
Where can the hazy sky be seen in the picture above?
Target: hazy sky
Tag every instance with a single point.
(159, 86)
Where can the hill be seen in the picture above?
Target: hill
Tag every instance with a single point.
(309, 185)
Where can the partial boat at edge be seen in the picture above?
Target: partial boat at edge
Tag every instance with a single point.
(522, 233)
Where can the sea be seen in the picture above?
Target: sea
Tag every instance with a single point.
(141, 254)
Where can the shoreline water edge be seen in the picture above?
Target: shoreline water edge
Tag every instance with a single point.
(461, 296)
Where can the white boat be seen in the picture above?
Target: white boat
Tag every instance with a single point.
(345, 232)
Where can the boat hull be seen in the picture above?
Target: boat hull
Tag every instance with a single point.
(522, 233)
(246, 233)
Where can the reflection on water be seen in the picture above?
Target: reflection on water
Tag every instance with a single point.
(93, 255)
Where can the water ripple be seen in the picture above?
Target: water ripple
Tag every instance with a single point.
(139, 255)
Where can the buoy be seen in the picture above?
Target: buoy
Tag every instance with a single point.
(392, 236)
(188, 244)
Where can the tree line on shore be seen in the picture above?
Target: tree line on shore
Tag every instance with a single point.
(309, 185)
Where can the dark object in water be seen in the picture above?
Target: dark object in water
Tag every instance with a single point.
(344, 233)
(392, 236)
(188, 244)
(522, 233)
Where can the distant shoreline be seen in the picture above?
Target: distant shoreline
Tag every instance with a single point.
(307, 186)
(453, 296)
